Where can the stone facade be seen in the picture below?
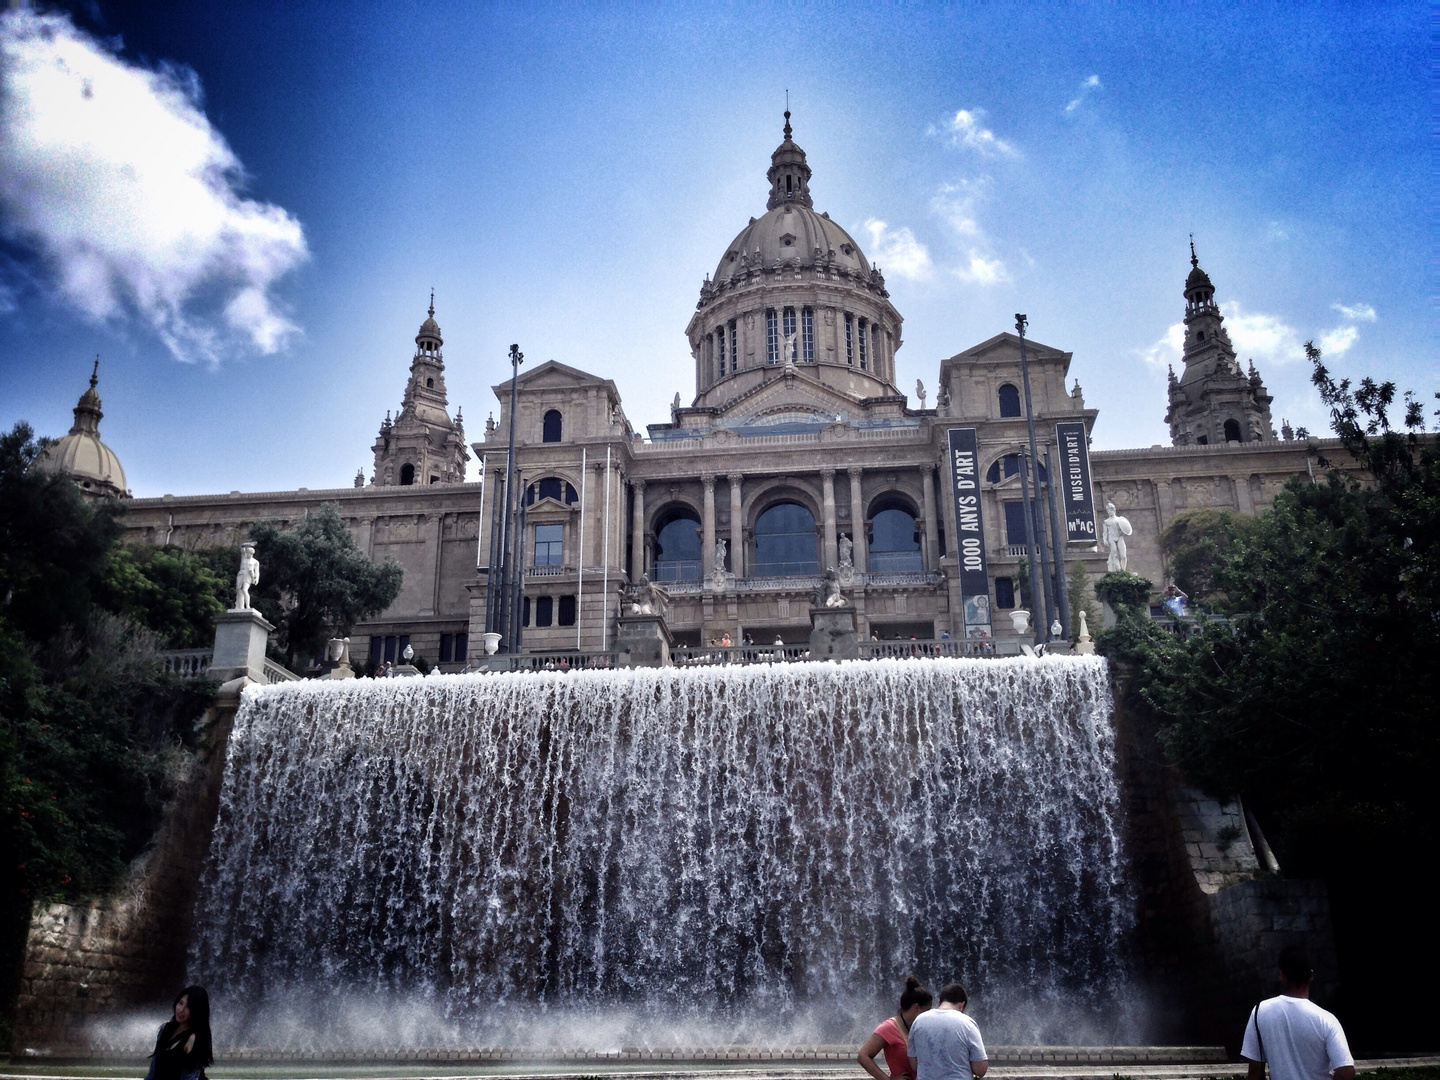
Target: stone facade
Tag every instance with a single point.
(797, 441)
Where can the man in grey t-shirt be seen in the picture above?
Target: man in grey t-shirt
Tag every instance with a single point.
(944, 1043)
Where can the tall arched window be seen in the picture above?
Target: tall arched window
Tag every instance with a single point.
(772, 337)
(1011, 463)
(807, 335)
(552, 426)
(677, 547)
(1232, 431)
(785, 541)
(734, 349)
(407, 474)
(895, 539)
(849, 338)
(864, 347)
(1009, 400)
(788, 328)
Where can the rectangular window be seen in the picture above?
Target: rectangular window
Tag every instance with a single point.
(544, 610)
(864, 349)
(377, 650)
(772, 337)
(720, 352)
(807, 335)
(734, 350)
(447, 648)
(849, 338)
(390, 648)
(1015, 523)
(549, 545)
(1004, 592)
(789, 330)
(462, 648)
(525, 611)
(875, 344)
(567, 611)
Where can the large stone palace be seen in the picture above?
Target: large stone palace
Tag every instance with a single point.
(797, 454)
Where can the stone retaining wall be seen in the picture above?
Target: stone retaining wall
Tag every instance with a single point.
(88, 960)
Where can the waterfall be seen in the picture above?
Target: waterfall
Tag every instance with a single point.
(753, 850)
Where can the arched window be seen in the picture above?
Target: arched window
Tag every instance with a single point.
(807, 335)
(1009, 401)
(788, 324)
(785, 541)
(734, 349)
(864, 347)
(1199, 335)
(551, 432)
(407, 475)
(677, 547)
(894, 539)
(1232, 431)
(1010, 464)
(429, 384)
(849, 338)
(772, 337)
(552, 487)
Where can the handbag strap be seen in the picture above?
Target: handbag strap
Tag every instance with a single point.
(1255, 1019)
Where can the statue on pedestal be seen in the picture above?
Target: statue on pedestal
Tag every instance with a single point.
(1113, 531)
(829, 595)
(247, 576)
(847, 551)
(647, 598)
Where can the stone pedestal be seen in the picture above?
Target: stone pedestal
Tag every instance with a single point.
(643, 641)
(832, 633)
(240, 639)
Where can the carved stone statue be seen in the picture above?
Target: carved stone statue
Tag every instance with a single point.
(1113, 531)
(920, 392)
(847, 551)
(647, 598)
(942, 401)
(829, 595)
(247, 577)
(790, 348)
(720, 549)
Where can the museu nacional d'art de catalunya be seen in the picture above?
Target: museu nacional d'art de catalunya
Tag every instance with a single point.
(797, 452)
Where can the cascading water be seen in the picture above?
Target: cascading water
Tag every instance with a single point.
(752, 853)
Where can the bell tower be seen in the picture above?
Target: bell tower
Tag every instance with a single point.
(422, 445)
(1213, 401)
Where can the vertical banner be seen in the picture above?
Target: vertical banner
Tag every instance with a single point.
(1079, 501)
(969, 525)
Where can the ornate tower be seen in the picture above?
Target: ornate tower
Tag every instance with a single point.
(81, 455)
(422, 445)
(1213, 401)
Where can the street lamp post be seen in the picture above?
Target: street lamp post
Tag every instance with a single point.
(506, 585)
(1039, 591)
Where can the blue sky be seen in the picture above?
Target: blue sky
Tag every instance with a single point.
(242, 208)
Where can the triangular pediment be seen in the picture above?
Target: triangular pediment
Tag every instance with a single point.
(1006, 347)
(800, 393)
(552, 375)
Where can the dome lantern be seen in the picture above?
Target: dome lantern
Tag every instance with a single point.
(789, 174)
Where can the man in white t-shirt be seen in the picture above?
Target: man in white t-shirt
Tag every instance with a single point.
(1299, 1040)
(944, 1043)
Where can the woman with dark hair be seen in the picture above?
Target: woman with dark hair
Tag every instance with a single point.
(893, 1033)
(183, 1049)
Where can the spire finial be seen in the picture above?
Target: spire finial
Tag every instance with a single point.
(432, 301)
(95, 372)
(1193, 260)
(787, 115)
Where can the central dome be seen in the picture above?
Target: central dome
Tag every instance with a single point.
(794, 234)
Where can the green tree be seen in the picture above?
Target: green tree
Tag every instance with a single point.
(316, 584)
(1195, 542)
(173, 592)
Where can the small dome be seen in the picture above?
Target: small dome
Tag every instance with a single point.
(795, 234)
(81, 455)
(430, 328)
(1198, 279)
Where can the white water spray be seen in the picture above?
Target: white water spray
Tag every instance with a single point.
(751, 848)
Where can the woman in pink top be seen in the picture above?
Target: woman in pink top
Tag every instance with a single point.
(892, 1034)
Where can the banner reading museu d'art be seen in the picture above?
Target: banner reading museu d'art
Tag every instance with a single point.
(1075, 482)
(970, 529)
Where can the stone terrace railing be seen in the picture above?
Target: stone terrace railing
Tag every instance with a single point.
(805, 583)
(275, 673)
(869, 650)
(187, 663)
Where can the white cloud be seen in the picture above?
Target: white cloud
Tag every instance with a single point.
(1356, 313)
(965, 130)
(956, 204)
(1338, 341)
(981, 270)
(897, 250)
(1276, 233)
(1167, 350)
(114, 174)
(1267, 338)
(1086, 88)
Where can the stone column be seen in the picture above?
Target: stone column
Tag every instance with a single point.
(932, 530)
(597, 525)
(737, 527)
(431, 560)
(707, 545)
(637, 532)
(1243, 502)
(827, 480)
(857, 521)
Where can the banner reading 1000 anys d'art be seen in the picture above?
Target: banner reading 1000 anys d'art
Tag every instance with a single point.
(970, 532)
(1075, 482)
